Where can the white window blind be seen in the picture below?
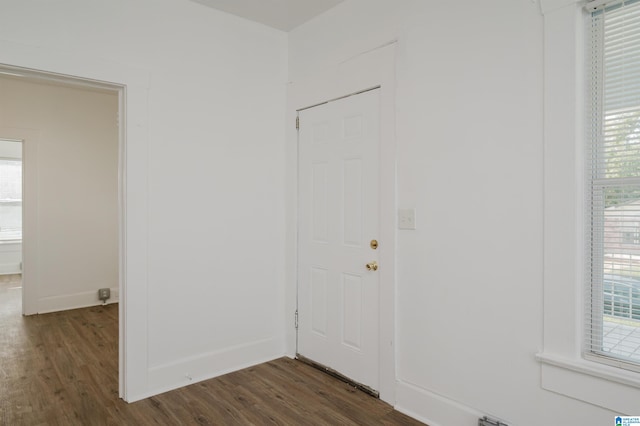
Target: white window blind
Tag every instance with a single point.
(10, 199)
(612, 311)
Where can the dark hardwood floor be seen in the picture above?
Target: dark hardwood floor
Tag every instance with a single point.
(62, 369)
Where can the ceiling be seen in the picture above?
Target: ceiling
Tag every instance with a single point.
(283, 15)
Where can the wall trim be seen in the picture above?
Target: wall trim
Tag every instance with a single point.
(194, 369)
(67, 302)
(373, 68)
(547, 6)
(590, 383)
(434, 409)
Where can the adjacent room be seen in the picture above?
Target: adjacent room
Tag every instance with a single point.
(435, 202)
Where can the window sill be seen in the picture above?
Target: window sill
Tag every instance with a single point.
(608, 387)
(594, 369)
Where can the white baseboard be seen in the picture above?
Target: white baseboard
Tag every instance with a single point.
(74, 301)
(163, 378)
(433, 409)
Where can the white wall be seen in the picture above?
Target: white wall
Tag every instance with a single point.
(71, 195)
(205, 112)
(10, 258)
(469, 132)
(204, 195)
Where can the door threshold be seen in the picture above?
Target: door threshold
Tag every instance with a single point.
(333, 373)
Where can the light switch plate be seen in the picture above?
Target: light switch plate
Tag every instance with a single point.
(406, 218)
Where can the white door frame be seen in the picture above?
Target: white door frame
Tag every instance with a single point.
(372, 69)
(29, 138)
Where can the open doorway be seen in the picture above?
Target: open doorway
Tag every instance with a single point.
(10, 227)
(71, 147)
(70, 238)
(10, 207)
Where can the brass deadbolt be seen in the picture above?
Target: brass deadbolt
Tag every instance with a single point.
(374, 244)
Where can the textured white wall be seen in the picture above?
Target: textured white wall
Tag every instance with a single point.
(469, 116)
(72, 189)
(205, 104)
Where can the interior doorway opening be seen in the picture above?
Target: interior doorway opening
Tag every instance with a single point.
(43, 277)
(10, 207)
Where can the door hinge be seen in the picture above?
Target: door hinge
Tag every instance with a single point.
(295, 319)
(298, 123)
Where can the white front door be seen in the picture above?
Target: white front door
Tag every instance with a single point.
(338, 213)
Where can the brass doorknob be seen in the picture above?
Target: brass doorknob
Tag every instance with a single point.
(372, 266)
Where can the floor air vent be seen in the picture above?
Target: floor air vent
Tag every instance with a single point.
(486, 421)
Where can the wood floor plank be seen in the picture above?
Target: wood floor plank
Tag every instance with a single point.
(62, 369)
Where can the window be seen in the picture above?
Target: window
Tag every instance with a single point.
(612, 329)
(631, 235)
(10, 190)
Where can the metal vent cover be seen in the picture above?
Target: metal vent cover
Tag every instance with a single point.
(486, 421)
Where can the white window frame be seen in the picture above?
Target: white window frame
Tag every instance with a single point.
(563, 368)
(594, 275)
(11, 203)
(17, 158)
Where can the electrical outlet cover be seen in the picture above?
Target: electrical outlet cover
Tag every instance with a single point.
(407, 219)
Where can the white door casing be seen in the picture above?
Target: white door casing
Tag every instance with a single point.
(338, 207)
